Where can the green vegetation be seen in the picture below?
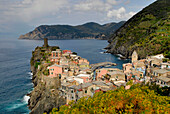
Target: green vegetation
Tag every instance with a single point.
(46, 72)
(148, 31)
(54, 48)
(36, 64)
(137, 99)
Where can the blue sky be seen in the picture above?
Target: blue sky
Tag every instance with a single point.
(21, 16)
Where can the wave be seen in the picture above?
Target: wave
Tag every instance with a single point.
(25, 99)
(30, 75)
(119, 55)
(103, 53)
(30, 84)
(18, 103)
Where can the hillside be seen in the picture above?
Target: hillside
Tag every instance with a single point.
(88, 30)
(147, 32)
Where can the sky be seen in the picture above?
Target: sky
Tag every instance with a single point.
(21, 16)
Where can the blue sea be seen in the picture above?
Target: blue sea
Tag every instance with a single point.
(15, 77)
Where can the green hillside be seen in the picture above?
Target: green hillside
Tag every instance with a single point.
(148, 32)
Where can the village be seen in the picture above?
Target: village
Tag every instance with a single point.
(79, 78)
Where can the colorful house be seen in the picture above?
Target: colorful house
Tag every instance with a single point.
(165, 65)
(83, 60)
(127, 67)
(56, 55)
(100, 73)
(55, 70)
(86, 77)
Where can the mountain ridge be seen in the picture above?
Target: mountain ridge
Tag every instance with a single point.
(85, 31)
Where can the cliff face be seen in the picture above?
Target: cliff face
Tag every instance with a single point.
(147, 32)
(88, 30)
(45, 94)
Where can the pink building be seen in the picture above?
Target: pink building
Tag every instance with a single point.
(55, 70)
(127, 67)
(85, 77)
(56, 53)
(101, 72)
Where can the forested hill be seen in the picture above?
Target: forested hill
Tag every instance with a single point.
(85, 31)
(147, 32)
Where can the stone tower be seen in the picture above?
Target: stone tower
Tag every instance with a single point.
(134, 56)
(45, 43)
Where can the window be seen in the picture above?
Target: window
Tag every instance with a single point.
(72, 97)
(59, 76)
(53, 54)
(141, 75)
(71, 91)
(116, 76)
(85, 91)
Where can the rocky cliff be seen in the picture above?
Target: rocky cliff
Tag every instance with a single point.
(85, 31)
(45, 94)
(147, 32)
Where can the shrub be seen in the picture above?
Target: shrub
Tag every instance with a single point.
(36, 64)
(137, 99)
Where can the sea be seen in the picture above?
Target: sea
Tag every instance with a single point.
(15, 74)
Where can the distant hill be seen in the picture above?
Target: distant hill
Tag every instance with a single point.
(88, 30)
(147, 32)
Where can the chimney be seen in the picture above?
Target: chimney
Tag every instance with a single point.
(45, 43)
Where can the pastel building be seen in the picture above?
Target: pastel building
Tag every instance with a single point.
(86, 77)
(127, 67)
(55, 70)
(55, 55)
(165, 65)
(82, 61)
(100, 73)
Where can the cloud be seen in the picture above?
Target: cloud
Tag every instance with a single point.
(32, 13)
(120, 14)
(31, 9)
(95, 5)
(28, 12)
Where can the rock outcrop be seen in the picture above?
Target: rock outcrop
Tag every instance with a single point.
(86, 31)
(45, 94)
